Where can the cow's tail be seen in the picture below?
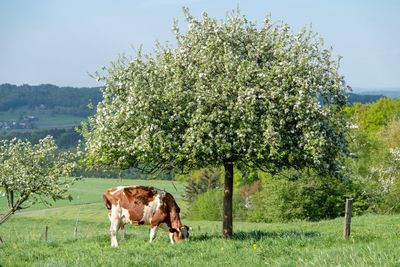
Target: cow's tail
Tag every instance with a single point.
(107, 202)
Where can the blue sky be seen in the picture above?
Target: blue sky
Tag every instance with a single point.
(60, 42)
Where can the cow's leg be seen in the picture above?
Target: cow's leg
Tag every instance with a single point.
(115, 223)
(123, 230)
(171, 238)
(171, 235)
(114, 230)
(153, 232)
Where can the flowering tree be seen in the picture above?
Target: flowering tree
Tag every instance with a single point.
(32, 172)
(229, 92)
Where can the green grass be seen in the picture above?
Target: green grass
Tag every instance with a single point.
(375, 240)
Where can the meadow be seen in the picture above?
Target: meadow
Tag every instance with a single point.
(374, 241)
(46, 118)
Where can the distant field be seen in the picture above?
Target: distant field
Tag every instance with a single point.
(375, 240)
(47, 119)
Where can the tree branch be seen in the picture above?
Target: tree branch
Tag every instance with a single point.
(10, 198)
(17, 206)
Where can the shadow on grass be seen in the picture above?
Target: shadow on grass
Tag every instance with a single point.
(258, 234)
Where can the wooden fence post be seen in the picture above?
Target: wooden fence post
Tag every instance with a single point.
(76, 229)
(77, 220)
(347, 218)
(46, 231)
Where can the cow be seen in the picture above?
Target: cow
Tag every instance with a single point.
(144, 205)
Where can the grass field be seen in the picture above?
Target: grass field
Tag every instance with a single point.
(375, 240)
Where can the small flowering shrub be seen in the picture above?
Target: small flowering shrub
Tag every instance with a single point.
(29, 173)
(382, 186)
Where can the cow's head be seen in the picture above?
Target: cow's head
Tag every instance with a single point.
(181, 233)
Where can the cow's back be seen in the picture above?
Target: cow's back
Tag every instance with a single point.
(136, 204)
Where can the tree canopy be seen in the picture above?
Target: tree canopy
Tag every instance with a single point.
(229, 92)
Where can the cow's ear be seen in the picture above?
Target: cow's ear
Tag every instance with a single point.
(188, 228)
(173, 230)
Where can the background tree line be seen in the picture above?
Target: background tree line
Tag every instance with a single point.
(65, 138)
(65, 100)
(75, 100)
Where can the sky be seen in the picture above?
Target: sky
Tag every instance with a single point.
(62, 42)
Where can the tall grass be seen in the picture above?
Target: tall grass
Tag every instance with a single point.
(374, 242)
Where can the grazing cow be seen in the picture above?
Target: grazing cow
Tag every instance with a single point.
(144, 205)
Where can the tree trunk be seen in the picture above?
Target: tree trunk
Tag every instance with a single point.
(4, 217)
(15, 206)
(228, 192)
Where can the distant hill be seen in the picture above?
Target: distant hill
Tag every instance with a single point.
(353, 98)
(388, 92)
(32, 112)
(45, 106)
(62, 100)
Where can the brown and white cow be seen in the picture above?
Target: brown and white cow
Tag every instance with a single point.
(144, 205)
